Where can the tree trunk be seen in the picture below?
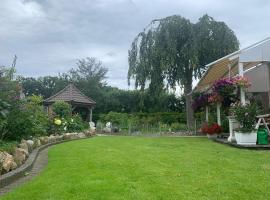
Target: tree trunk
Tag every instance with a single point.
(189, 110)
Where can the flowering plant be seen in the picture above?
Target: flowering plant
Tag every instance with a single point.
(245, 115)
(242, 82)
(224, 87)
(200, 101)
(57, 121)
(215, 98)
(211, 129)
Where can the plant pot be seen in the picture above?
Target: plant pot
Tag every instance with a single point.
(212, 136)
(246, 138)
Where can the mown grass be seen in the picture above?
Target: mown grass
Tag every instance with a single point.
(140, 168)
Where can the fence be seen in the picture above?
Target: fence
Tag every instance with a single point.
(152, 129)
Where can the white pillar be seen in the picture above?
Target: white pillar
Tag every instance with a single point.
(90, 120)
(218, 114)
(206, 113)
(242, 92)
(232, 124)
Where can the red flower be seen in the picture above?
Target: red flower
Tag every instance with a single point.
(211, 129)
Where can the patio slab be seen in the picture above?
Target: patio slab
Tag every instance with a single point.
(250, 147)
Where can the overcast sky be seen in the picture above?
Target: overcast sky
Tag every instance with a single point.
(48, 36)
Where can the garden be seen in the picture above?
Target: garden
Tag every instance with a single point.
(25, 119)
(223, 99)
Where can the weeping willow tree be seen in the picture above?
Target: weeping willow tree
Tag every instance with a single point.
(173, 51)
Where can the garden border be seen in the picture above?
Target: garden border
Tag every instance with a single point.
(15, 174)
(249, 147)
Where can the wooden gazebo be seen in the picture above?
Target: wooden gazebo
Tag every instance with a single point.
(75, 98)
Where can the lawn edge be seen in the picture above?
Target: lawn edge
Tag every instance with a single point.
(16, 174)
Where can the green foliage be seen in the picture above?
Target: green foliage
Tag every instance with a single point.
(172, 51)
(61, 109)
(245, 115)
(27, 118)
(7, 146)
(143, 119)
(68, 124)
(9, 92)
(115, 118)
(76, 124)
(178, 126)
(45, 86)
(89, 76)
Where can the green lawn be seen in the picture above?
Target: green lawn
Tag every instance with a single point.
(149, 168)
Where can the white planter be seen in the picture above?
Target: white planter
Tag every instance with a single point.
(246, 138)
(213, 136)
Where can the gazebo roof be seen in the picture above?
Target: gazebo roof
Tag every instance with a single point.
(71, 94)
(227, 66)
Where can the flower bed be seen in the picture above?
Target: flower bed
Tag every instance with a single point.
(11, 161)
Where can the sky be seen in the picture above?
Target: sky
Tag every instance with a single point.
(49, 36)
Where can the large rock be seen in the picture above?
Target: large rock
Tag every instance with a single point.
(24, 145)
(59, 137)
(44, 140)
(8, 163)
(90, 132)
(70, 136)
(1, 161)
(30, 144)
(37, 143)
(81, 135)
(52, 138)
(20, 156)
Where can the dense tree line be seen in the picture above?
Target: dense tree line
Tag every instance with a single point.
(90, 77)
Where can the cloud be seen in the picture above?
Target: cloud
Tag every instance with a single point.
(49, 36)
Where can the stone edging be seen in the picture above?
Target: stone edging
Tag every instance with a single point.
(13, 175)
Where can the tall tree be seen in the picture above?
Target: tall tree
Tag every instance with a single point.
(172, 51)
(89, 76)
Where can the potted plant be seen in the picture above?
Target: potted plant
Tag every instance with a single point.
(211, 130)
(225, 90)
(246, 116)
(241, 81)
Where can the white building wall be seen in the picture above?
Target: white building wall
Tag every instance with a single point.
(259, 78)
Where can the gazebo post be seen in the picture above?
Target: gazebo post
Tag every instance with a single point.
(218, 114)
(242, 92)
(207, 114)
(91, 114)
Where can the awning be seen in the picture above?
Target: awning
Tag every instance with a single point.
(228, 65)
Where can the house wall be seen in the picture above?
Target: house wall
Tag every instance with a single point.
(259, 78)
(260, 85)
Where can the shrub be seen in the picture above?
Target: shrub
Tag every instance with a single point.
(61, 109)
(27, 118)
(115, 118)
(211, 129)
(8, 146)
(69, 124)
(75, 123)
(178, 127)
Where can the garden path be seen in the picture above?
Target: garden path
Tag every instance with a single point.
(38, 166)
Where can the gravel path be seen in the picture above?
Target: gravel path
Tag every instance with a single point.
(38, 166)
